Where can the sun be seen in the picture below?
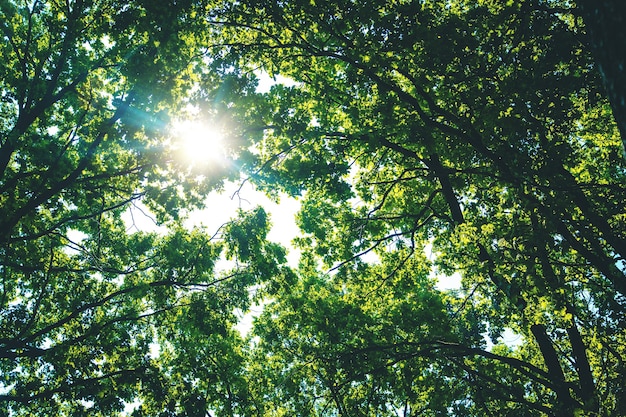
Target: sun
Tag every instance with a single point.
(198, 142)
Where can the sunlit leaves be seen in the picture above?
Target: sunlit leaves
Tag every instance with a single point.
(88, 90)
(474, 129)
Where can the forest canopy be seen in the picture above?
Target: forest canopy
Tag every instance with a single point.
(423, 139)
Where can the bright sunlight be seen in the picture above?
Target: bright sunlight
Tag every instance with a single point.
(198, 142)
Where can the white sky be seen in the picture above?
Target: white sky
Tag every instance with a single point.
(221, 207)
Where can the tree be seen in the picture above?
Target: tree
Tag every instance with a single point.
(88, 89)
(477, 130)
(605, 23)
(480, 128)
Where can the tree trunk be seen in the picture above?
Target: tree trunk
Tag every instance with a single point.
(566, 404)
(606, 24)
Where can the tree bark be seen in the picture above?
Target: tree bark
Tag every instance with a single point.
(606, 24)
(566, 403)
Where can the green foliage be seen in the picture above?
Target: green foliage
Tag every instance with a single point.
(95, 315)
(479, 130)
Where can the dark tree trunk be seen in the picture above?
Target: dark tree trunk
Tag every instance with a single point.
(587, 384)
(606, 23)
(567, 404)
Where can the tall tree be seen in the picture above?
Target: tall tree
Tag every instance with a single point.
(91, 311)
(478, 131)
(479, 128)
(605, 22)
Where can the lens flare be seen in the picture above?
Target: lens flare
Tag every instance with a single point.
(198, 142)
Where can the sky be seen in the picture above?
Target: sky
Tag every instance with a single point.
(222, 206)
